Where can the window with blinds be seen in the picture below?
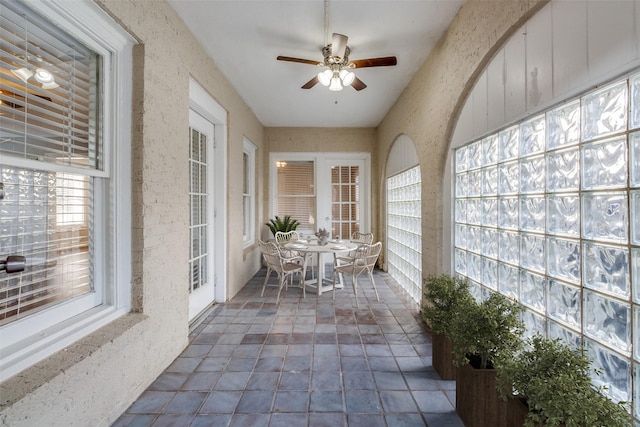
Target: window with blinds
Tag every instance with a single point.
(296, 192)
(248, 193)
(50, 159)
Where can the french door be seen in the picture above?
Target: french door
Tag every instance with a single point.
(201, 223)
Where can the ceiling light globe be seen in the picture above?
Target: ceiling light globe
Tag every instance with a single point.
(347, 77)
(335, 84)
(43, 76)
(324, 77)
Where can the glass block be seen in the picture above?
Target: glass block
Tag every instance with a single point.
(474, 239)
(607, 321)
(462, 184)
(474, 267)
(475, 290)
(490, 212)
(534, 324)
(490, 242)
(563, 125)
(532, 175)
(508, 280)
(532, 213)
(461, 159)
(615, 371)
(532, 134)
(508, 178)
(461, 236)
(490, 150)
(461, 210)
(604, 164)
(508, 212)
(460, 260)
(508, 246)
(563, 170)
(569, 337)
(490, 273)
(532, 252)
(604, 216)
(532, 291)
(484, 293)
(563, 259)
(474, 211)
(475, 183)
(634, 120)
(636, 392)
(474, 155)
(563, 303)
(490, 181)
(563, 215)
(634, 159)
(606, 269)
(635, 276)
(635, 217)
(508, 143)
(604, 111)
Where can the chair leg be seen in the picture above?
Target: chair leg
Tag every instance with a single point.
(355, 288)
(335, 273)
(266, 278)
(281, 284)
(374, 285)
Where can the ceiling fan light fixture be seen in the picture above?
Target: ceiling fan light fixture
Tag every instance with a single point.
(324, 77)
(43, 76)
(23, 74)
(335, 84)
(347, 77)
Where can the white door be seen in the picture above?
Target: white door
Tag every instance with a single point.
(201, 223)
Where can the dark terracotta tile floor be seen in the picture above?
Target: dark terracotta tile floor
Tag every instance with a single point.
(303, 362)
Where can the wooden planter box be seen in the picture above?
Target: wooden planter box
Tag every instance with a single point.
(442, 356)
(477, 401)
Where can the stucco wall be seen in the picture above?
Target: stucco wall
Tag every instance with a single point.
(429, 106)
(94, 381)
(290, 139)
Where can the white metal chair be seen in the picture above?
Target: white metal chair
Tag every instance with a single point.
(285, 267)
(356, 237)
(284, 237)
(364, 261)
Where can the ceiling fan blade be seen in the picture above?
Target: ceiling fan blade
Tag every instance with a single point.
(358, 84)
(338, 45)
(301, 61)
(373, 62)
(311, 83)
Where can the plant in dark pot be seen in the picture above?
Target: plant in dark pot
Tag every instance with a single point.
(286, 224)
(552, 382)
(484, 334)
(444, 296)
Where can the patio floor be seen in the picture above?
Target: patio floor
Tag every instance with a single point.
(303, 362)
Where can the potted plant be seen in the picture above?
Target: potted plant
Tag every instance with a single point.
(287, 224)
(484, 334)
(443, 297)
(551, 380)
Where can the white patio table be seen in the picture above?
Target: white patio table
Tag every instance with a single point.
(333, 247)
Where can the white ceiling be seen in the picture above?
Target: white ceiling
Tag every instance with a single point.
(244, 38)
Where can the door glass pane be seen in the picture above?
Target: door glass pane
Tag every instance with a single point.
(198, 225)
(345, 200)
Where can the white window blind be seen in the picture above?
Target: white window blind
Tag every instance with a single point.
(48, 91)
(296, 192)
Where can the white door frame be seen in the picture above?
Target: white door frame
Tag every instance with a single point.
(202, 103)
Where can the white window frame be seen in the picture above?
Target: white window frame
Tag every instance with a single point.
(29, 340)
(249, 197)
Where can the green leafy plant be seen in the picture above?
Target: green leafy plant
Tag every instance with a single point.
(487, 331)
(444, 297)
(553, 379)
(286, 224)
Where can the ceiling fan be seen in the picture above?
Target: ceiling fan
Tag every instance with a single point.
(337, 73)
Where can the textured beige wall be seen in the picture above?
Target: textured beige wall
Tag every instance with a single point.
(352, 140)
(99, 377)
(428, 107)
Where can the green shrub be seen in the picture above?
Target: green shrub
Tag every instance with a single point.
(444, 296)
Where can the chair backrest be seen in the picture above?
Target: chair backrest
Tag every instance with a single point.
(283, 237)
(271, 255)
(359, 237)
(367, 255)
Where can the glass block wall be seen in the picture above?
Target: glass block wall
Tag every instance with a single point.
(404, 231)
(547, 211)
